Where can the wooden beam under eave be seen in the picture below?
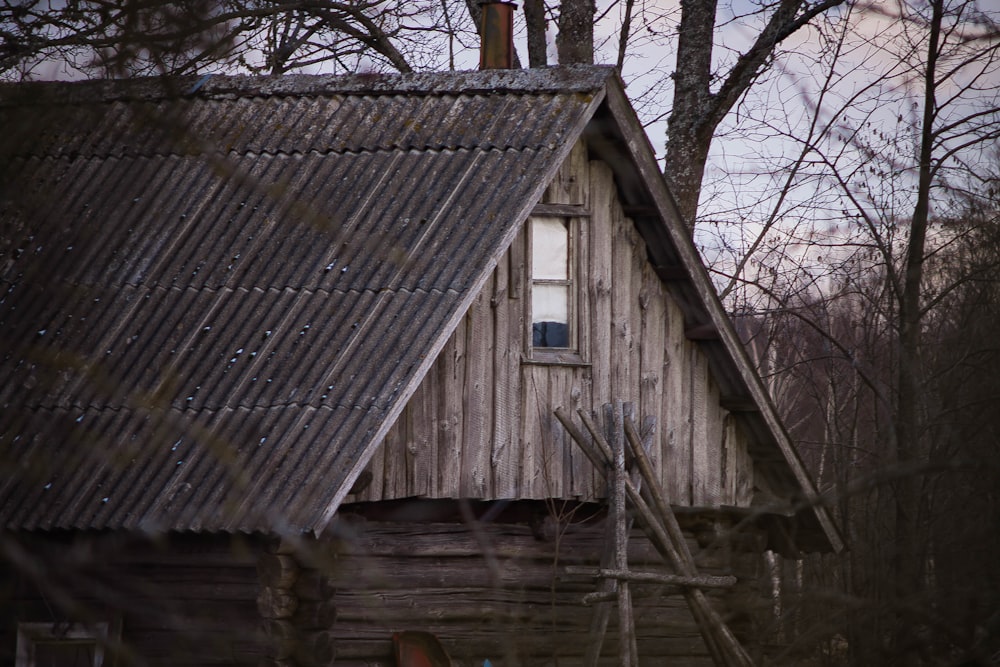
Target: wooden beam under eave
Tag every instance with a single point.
(671, 272)
(632, 211)
(560, 210)
(738, 404)
(702, 332)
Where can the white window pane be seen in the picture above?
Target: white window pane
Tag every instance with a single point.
(550, 303)
(550, 315)
(549, 249)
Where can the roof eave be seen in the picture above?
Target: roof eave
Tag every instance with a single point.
(675, 258)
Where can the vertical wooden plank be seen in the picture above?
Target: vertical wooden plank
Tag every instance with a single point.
(452, 378)
(579, 162)
(676, 453)
(553, 448)
(729, 461)
(652, 341)
(394, 482)
(581, 470)
(534, 393)
(744, 468)
(419, 433)
(515, 263)
(427, 433)
(713, 416)
(503, 468)
(622, 342)
(560, 449)
(637, 251)
(570, 186)
(517, 327)
(584, 276)
(416, 468)
(477, 392)
(700, 463)
(601, 279)
(599, 291)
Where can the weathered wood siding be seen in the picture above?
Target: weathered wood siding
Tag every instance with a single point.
(500, 592)
(481, 424)
(179, 600)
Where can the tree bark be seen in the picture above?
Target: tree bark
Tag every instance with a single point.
(575, 42)
(910, 446)
(534, 18)
(689, 128)
(696, 110)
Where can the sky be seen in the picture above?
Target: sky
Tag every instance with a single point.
(856, 112)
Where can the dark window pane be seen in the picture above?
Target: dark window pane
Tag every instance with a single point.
(64, 654)
(549, 334)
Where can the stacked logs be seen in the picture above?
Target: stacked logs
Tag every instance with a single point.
(277, 572)
(314, 619)
(297, 610)
(297, 607)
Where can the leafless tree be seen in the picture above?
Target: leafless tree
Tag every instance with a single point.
(876, 264)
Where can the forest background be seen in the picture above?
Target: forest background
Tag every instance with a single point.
(839, 165)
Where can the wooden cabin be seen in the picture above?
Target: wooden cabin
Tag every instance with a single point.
(282, 360)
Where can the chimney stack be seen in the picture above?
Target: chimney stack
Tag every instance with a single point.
(496, 34)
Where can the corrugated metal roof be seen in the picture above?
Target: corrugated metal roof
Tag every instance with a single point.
(213, 305)
(209, 305)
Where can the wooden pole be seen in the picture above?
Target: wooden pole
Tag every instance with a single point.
(606, 588)
(732, 651)
(721, 643)
(627, 646)
(701, 581)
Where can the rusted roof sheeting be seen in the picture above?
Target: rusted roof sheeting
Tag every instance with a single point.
(209, 305)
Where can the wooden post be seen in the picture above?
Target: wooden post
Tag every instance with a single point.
(608, 589)
(669, 541)
(701, 581)
(732, 652)
(627, 648)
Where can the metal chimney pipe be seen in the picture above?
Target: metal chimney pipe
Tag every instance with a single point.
(496, 34)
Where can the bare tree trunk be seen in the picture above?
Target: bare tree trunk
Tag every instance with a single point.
(696, 110)
(625, 33)
(534, 17)
(909, 438)
(575, 42)
(689, 129)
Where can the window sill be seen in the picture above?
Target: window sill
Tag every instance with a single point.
(553, 357)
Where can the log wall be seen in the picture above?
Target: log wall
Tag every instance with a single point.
(492, 588)
(180, 600)
(500, 591)
(481, 424)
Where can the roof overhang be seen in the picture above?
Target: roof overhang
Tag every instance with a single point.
(615, 135)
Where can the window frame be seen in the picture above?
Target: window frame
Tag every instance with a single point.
(575, 353)
(31, 634)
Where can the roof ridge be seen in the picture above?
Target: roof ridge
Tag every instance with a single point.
(559, 79)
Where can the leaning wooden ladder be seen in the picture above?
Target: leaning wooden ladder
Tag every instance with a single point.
(660, 525)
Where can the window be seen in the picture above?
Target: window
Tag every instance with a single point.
(61, 644)
(556, 305)
(551, 284)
